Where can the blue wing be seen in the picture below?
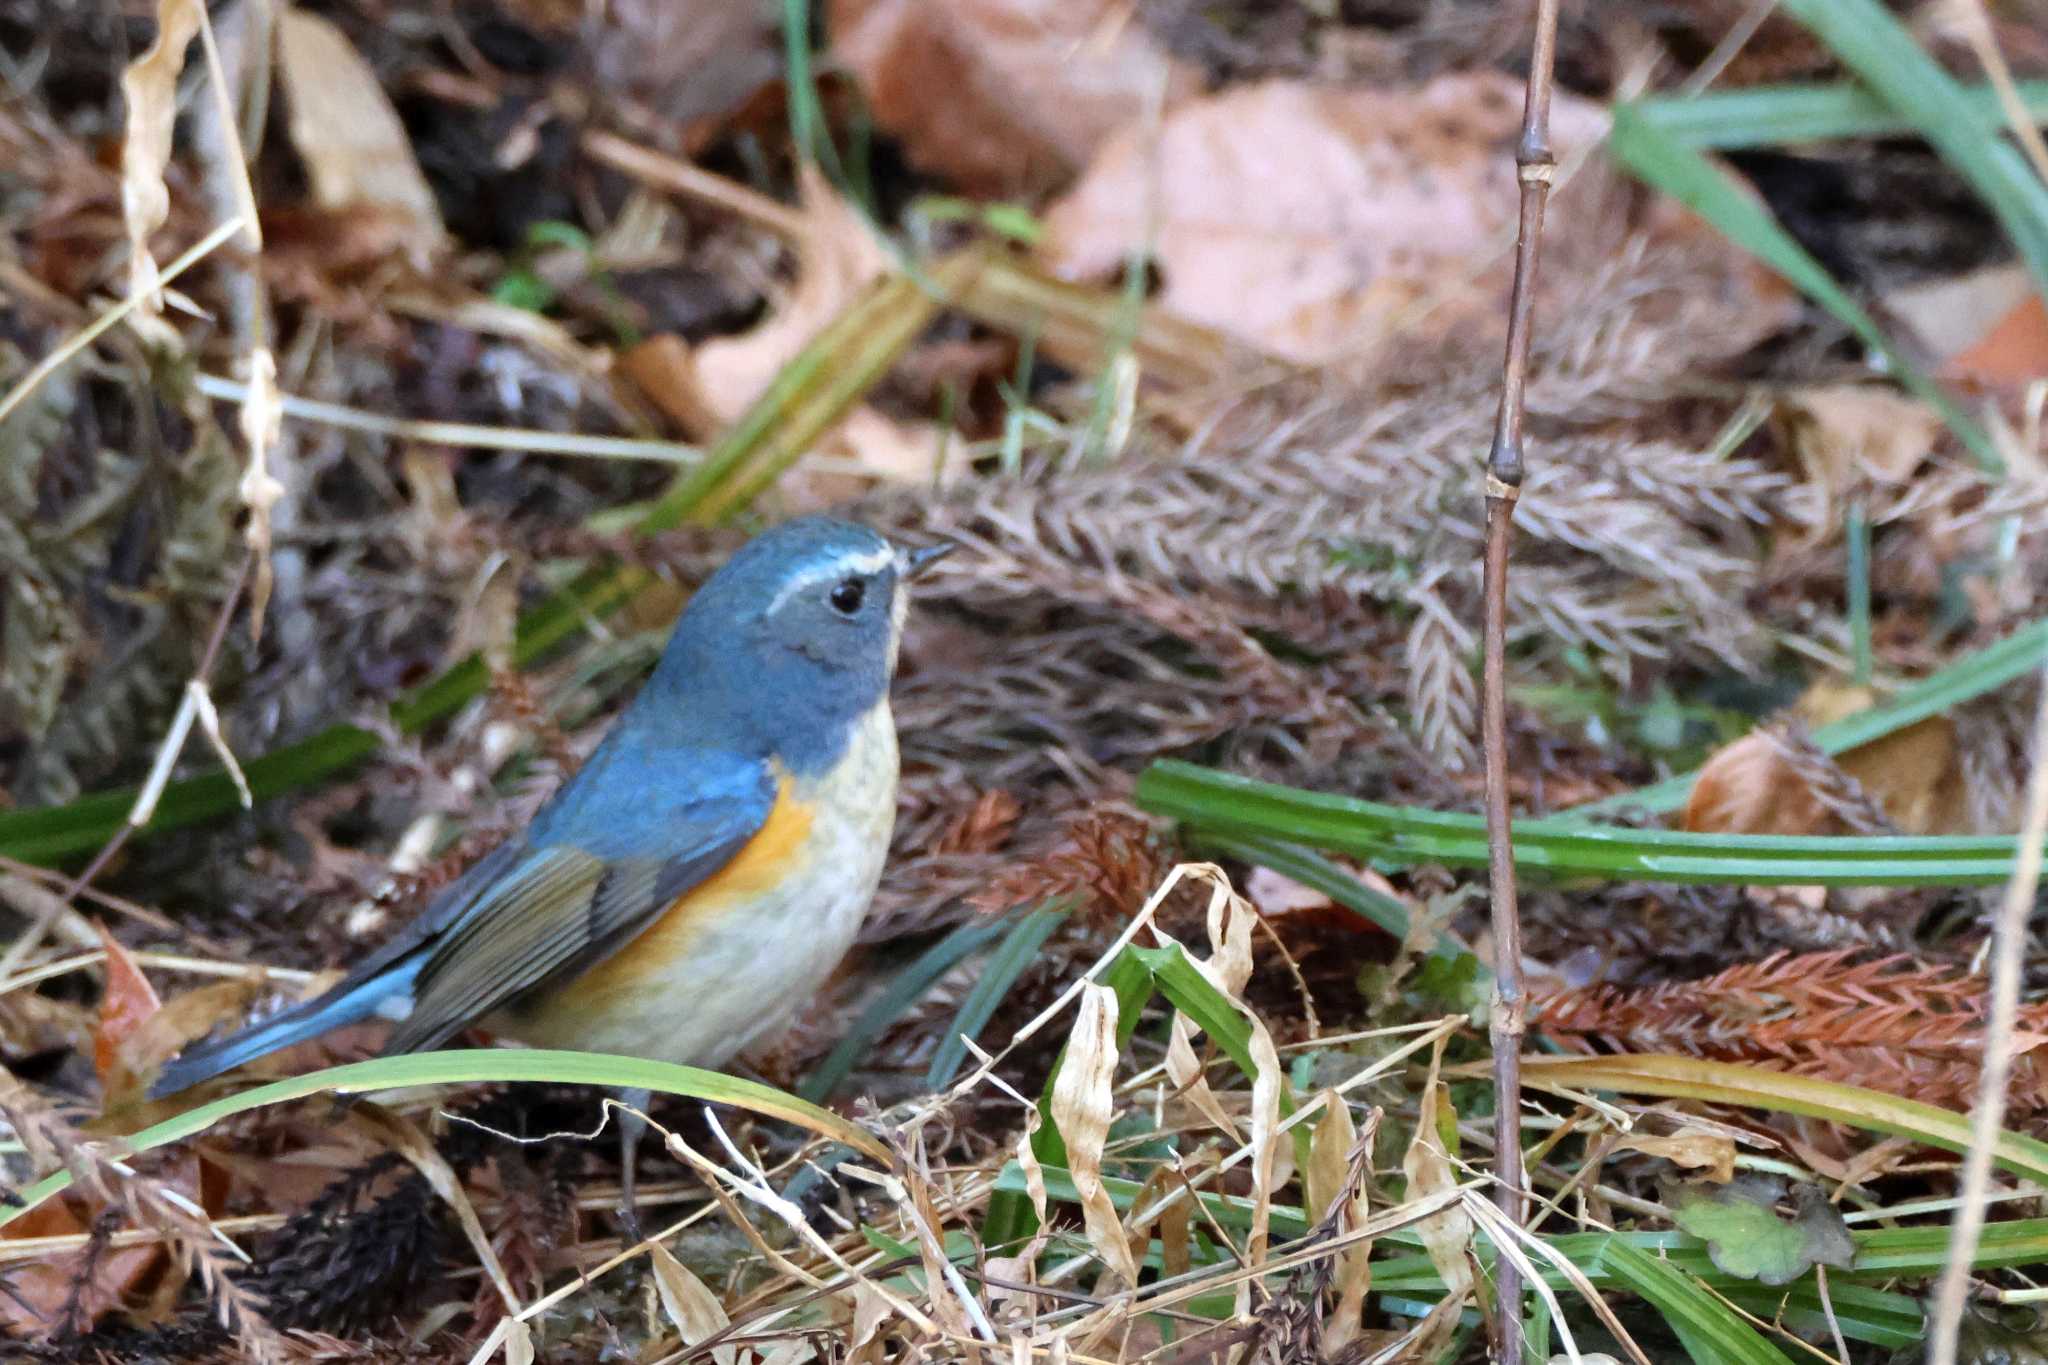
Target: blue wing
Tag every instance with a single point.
(631, 832)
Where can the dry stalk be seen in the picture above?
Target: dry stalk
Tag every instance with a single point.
(1534, 164)
(2007, 955)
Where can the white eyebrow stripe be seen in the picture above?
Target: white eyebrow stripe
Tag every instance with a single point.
(871, 561)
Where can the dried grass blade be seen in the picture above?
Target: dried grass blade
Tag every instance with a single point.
(1082, 1108)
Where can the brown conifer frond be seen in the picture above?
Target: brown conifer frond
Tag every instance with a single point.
(148, 1203)
(1892, 1023)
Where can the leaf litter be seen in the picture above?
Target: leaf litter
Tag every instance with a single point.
(1275, 574)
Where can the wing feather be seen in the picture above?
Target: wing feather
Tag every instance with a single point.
(561, 908)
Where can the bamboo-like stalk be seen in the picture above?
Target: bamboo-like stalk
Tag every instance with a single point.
(1505, 466)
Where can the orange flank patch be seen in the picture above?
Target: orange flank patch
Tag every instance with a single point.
(758, 867)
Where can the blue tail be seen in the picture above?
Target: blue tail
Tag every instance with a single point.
(345, 1004)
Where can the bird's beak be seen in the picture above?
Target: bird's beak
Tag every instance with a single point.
(912, 562)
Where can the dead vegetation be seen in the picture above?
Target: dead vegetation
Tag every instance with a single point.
(518, 263)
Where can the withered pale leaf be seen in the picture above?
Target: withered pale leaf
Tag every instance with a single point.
(1336, 1185)
(1184, 1069)
(1846, 434)
(1446, 1236)
(347, 133)
(1914, 775)
(690, 1304)
(261, 419)
(149, 88)
(1307, 219)
(704, 389)
(1082, 1107)
(1712, 1154)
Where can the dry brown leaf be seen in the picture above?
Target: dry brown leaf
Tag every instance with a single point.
(39, 1292)
(1763, 784)
(1446, 1236)
(1308, 219)
(2012, 351)
(348, 134)
(1847, 434)
(149, 88)
(1276, 893)
(125, 1005)
(1082, 1108)
(1713, 1153)
(690, 1305)
(1031, 87)
(1951, 313)
(837, 257)
(1336, 1187)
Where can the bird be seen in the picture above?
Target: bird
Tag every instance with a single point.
(696, 881)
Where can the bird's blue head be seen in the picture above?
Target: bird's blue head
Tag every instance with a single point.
(790, 644)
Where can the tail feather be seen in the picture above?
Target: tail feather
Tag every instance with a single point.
(345, 1004)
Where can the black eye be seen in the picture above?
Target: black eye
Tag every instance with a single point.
(846, 598)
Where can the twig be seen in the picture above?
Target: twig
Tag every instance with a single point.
(1534, 165)
(145, 800)
(458, 433)
(90, 333)
(2010, 947)
(680, 177)
(1731, 44)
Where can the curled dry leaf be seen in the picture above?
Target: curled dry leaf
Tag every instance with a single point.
(1312, 220)
(1773, 781)
(1082, 1108)
(347, 133)
(125, 1005)
(1032, 87)
(1228, 968)
(149, 88)
(1713, 1154)
(1336, 1190)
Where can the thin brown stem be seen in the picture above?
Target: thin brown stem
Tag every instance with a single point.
(1505, 467)
(214, 640)
(2009, 948)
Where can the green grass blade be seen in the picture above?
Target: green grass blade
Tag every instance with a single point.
(1018, 950)
(1652, 153)
(484, 1065)
(1775, 115)
(1872, 42)
(905, 990)
(1218, 1016)
(1241, 807)
(1729, 1083)
(1710, 1329)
